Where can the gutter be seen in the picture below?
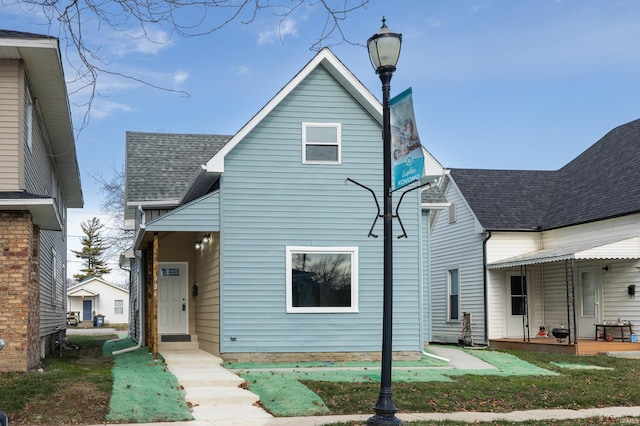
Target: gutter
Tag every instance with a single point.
(485, 287)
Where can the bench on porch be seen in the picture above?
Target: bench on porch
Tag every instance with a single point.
(604, 327)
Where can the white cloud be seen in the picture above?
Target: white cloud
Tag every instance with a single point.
(179, 77)
(284, 28)
(149, 41)
(101, 109)
(241, 70)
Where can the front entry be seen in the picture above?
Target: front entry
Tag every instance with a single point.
(517, 306)
(172, 298)
(86, 310)
(588, 305)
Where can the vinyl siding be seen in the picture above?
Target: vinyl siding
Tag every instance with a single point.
(10, 118)
(271, 200)
(203, 213)
(53, 308)
(207, 303)
(456, 245)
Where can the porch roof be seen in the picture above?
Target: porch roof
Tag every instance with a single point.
(620, 248)
(82, 292)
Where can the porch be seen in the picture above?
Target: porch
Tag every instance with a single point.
(551, 345)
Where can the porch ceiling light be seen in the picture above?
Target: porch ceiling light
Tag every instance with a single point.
(206, 238)
(198, 245)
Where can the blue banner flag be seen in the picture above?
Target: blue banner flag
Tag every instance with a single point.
(406, 150)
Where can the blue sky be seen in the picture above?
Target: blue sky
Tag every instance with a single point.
(505, 84)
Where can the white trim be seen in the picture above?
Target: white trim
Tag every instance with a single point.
(326, 58)
(154, 203)
(353, 251)
(337, 143)
(449, 294)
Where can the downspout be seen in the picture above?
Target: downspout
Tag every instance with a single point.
(139, 300)
(129, 332)
(485, 287)
(139, 344)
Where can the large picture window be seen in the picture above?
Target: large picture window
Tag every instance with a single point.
(322, 279)
(321, 143)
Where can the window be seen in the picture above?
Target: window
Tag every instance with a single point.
(321, 143)
(118, 307)
(54, 277)
(453, 214)
(28, 119)
(518, 295)
(322, 279)
(170, 272)
(454, 294)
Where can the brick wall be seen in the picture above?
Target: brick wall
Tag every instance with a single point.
(19, 292)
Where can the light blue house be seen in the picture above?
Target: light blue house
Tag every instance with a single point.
(253, 246)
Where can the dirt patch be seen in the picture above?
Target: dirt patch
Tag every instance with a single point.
(73, 404)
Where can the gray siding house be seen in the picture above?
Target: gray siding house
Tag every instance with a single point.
(39, 180)
(524, 249)
(256, 246)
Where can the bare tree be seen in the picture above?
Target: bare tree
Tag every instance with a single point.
(111, 189)
(187, 18)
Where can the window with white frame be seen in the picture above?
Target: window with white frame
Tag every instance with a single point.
(322, 279)
(118, 307)
(321, 143)
(28, 119)
(54, 277)
(453, 213)
(453, 278)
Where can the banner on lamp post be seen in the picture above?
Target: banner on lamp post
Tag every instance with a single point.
(407, 158)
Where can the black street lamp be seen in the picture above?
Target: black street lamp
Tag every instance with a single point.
(384, 51)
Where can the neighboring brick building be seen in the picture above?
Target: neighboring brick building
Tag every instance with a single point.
(39, 180)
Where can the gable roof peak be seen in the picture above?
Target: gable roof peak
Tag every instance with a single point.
(325, 58)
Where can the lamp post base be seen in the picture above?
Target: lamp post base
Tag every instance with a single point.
(384, 420)
(385, 410)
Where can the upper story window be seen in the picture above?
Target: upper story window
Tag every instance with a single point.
(28, 118)
(322, 279)
(321, 143)
(453, 213)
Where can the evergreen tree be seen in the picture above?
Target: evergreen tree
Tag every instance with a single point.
(93, 248)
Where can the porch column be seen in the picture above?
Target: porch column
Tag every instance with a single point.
(155, 296)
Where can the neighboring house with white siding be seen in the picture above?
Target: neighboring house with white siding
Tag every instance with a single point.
(95, 296)
(521, 249)
(255, 245)
(39, 180)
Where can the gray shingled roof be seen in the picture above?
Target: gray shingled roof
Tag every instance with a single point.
(21, 34)
(433, 195)
(602, 182)
(507, 199)
(160, 166)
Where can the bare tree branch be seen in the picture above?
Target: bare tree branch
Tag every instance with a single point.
(186, 18)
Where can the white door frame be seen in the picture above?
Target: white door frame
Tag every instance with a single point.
(183, 326)
(589, 315)
(513, 323)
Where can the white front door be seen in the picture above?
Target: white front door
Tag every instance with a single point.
(172, 298)
(588, 303)
(516, 306)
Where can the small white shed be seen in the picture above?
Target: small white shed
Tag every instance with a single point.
(95, 296)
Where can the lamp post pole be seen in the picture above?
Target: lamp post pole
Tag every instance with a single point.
(384, 50)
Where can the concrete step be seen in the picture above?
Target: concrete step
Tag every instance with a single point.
(223, 412)
(220, 396)
(170, 346)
